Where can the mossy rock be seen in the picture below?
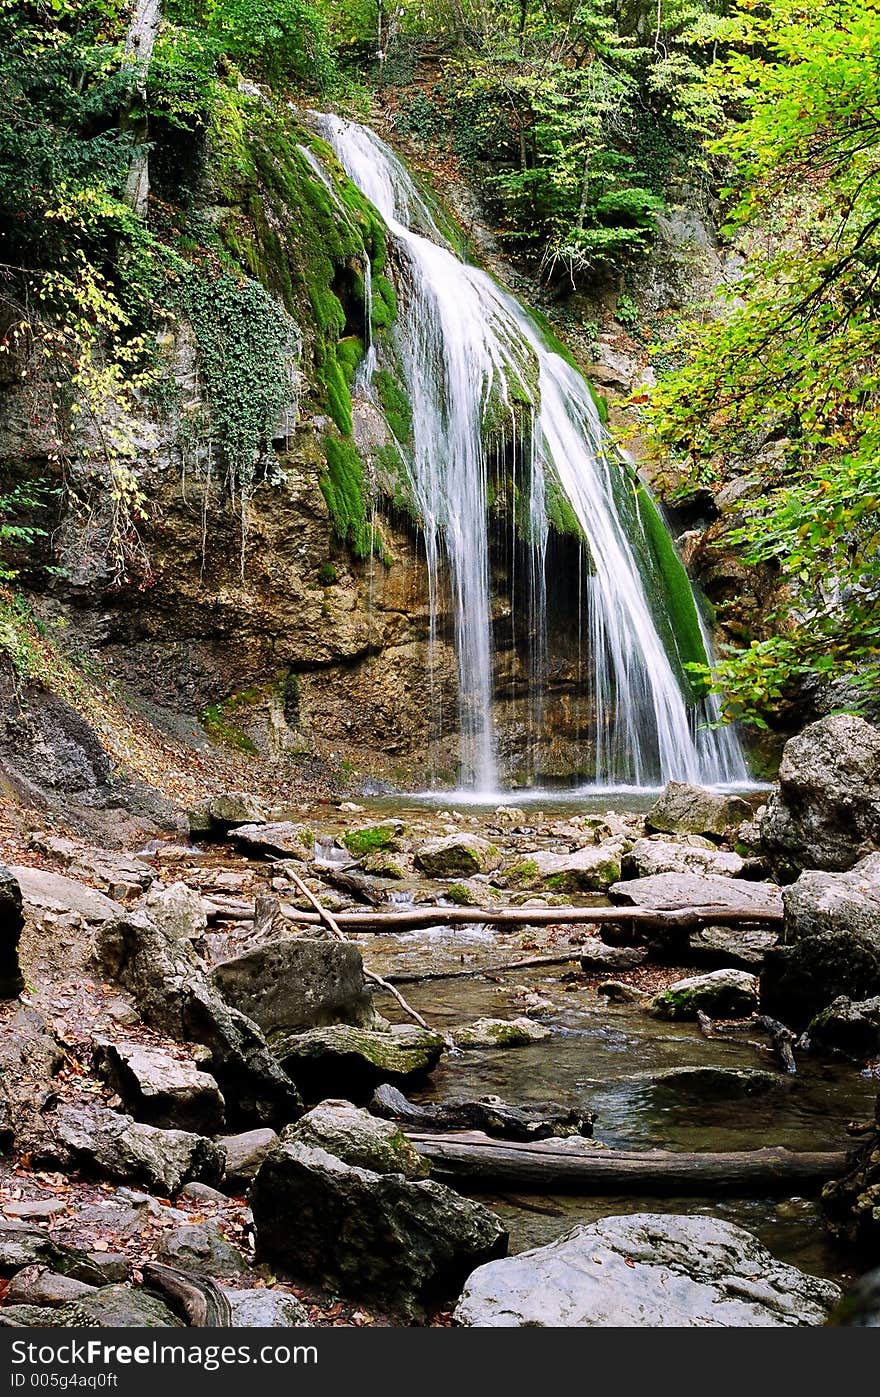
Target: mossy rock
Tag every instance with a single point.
(371, 839)
(359, 1139)
(342, 1061)
(721, 994)
(500, 1033)
(522, 875)
(382, 863)
(458, 855)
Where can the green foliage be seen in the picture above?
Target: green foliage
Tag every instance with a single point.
(328, 575)
(283, 41)
(16, 531)
(182, 81)
(794, 360)
(245, 342)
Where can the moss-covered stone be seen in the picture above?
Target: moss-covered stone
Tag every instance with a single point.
(343, 1061)
(359, 1139)
(371, 838)
(500, 1033)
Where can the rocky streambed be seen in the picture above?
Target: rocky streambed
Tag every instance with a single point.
(211, 1114)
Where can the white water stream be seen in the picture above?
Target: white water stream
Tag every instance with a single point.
(467, 350)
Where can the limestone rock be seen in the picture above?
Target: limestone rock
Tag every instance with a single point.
(798, 981)
(745, 947)
(114, 1145)
(232, 808)
(590, 869)
(179, 910)
(717, 1083)
(278, 839)
(202, 1247)
(677, 891)
(358, 1138)
(53, 892)
(457, 856)
(850, 901)
(161, 1089)
(369, 839)
(341, 1060)
(500, 1033)
(596, 956)
(722, 994)
(403, 1243)
(647, 1271)
(298, 984)
(245, 1153)
(11, 923)
(22, 1246)
(39, 1285)
(175, 996)
(266, 1309)
(826, 813)
(111, 1307)
(650, 856)
(684, 809)
(847, 1029)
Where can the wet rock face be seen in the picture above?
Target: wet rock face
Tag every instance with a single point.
(403, 1243)
(798, 981)
(684, 809)
(826, 813)
(294, 985)
(11, 923)
(646, 1271)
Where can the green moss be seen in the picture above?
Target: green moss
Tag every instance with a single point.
(343, 487)
(384, 303)
(349, 354)
(462, 895)
(372, 838)
(395, 404)
(327, 574)
(676, 615)
(522, 875)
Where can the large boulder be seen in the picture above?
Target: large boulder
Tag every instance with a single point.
(847, 1029)
(681, 891)
(340, 1060)
(826, 813)
(798, 981)
(277, 840)
(115, 1146)
(54, 892)
(22, 1246)
(177, 909)
(174, 995)
(457, 856)
(722, 994)
(160, 1088)
(404, 1243)
(358, 1138)
(244, 1155)
(590, 869)
(646, 1271)
(684, 809)
(110, 1307)
(650, 856)
(298, 984)
(201, 1247)
(850, 901)
(744, 946)
(11, 923)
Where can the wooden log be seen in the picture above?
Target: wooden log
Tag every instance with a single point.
(488, 1115)
(196, 1299)
(532, 963)
(782, 1039)
(573, 1166)
(419, 918)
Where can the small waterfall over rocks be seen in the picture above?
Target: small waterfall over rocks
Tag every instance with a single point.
(482, 381)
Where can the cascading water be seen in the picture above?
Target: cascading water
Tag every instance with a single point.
(467, 350)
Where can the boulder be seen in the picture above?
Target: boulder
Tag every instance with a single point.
(722, 994)
(385, 864)
(850, 901)
(30, 1057)
(358, 1138)
(298, 984)
(279, 839)
(717, 1083)
(798, 981)
(826, 812)
(53, 892)
(115, 1146)
(590, 869)
(119, 875)
(860, 1307)
(232, 808)
(596, 956)
(677, 891)
(22, 1246)
(244, 1155)
(341, 1060)
(684, 809)
(201, 1247)
(39, 1285)
(847, 1030)
(11, 923)
(159, 1088)
(746, 947)
(370, 839)
(646, 1271)
(457, 856)
(266, 1309)
(177, 909)
(111, 1307)
(650, 856)
(404, 1243)
(175, 996)
(500, 1033)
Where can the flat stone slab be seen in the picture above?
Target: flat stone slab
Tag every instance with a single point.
(675, 892)
(53, 892)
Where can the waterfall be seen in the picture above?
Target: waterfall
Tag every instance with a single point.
(468, 352)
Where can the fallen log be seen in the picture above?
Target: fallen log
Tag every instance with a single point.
(532, 963)
(198, 1300)
(782, 1039)
(419, 918)
(573, 1166)
(489, 1115)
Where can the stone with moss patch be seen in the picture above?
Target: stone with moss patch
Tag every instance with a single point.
(339, 1059)
(359, 1139)
(500, 1033)
(457, 855)
(370, 839)
(723, 994)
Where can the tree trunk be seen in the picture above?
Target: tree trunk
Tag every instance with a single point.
(138, 52)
